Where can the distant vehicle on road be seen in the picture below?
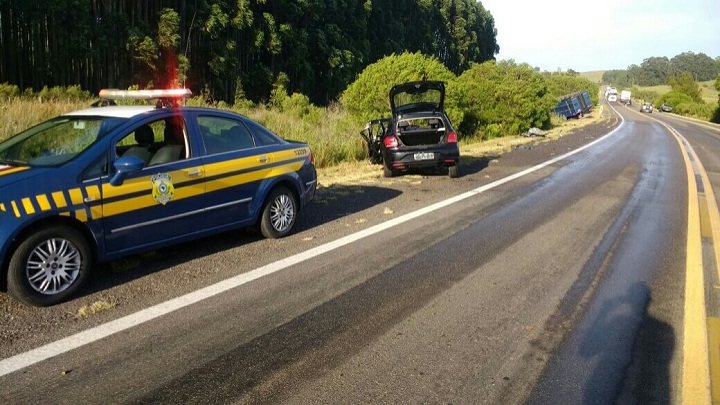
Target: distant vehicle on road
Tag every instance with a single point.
(612, 98)
(646, 107)
(625, 97)
(665, 108)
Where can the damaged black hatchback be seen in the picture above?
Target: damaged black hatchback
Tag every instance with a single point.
(419, 133)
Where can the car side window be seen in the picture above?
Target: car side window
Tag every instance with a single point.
(224, 135)
(264, 136)
(155, 143)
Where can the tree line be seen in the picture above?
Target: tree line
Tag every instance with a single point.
(231, 49)
(654, 71)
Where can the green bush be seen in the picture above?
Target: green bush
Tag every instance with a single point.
(8, 91)
(367, 97)
(497, 99)
(57, 93)
(703, 111)
(649, 96)
(562, 84)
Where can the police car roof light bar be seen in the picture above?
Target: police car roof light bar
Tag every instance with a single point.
(113, 94)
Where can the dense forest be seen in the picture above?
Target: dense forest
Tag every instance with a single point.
(659, 70)
(231, 49)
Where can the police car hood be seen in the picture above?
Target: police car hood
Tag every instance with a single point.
(14, 174)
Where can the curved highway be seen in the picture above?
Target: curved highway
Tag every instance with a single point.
(575, 271)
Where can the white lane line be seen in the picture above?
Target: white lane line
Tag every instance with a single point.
(22, 360)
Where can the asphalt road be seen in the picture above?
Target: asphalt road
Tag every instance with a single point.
(563, 285)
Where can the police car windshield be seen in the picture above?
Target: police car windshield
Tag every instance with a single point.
(56, 141)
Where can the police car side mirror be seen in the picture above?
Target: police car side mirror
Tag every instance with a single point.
(123, 167)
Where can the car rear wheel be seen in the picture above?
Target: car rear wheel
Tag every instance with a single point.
(454, 171)
(48, 266)
(279, 213)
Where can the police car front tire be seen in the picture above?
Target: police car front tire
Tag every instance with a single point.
(48, 266)
(279, 213)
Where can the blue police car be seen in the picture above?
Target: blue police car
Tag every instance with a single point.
(104, 182)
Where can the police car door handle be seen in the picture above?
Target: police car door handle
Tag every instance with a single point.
(195, 172)
(263, 159)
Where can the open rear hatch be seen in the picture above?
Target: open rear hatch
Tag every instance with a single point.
(418, 110)
(417, 96)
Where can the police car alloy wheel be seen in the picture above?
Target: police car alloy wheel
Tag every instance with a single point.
(48, 266)
(279, 213)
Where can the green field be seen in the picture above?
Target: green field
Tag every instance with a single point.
(709, 93)
(595, 76)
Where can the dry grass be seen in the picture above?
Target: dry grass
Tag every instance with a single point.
(20, 114)
(92, 309)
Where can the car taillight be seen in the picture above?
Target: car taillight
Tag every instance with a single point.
(390, 142)
(452, 137)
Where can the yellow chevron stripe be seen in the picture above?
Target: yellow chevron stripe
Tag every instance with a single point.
(96, 212)
(2, 207)
(15, 209)
(59, 199)
(76, 196)
(43, 202)
(27, 205)
(81, 215)
(93, 192)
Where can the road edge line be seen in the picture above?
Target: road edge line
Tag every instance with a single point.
(695, 383)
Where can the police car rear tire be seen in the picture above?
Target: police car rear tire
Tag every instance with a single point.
(49, 266)
(279, 213)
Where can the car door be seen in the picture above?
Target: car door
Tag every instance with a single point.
(234, 166)
(162, 202)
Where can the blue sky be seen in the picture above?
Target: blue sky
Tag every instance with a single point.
(605, 34)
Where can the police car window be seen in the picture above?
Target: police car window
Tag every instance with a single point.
(53, 142)
(263, 135)
(156, 143)
(224, 135)
(142, 142)
(97, 169)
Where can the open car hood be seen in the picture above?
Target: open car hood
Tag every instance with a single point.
(417, 96)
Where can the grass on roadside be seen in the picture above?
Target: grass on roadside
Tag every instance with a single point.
(333, 134)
